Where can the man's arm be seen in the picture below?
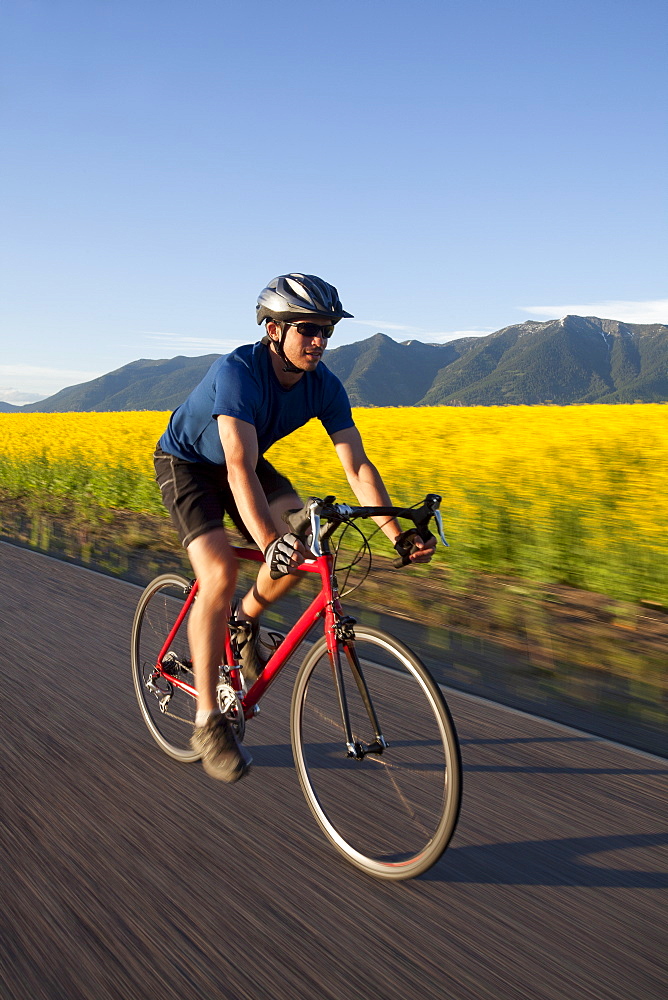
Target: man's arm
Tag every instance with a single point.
(239, 440)
(369, 488)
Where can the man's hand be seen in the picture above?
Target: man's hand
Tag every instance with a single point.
(417, 550)
(285, 554)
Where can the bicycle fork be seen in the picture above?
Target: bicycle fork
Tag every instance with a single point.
(355, 748)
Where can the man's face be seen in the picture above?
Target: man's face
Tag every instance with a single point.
(305, 349)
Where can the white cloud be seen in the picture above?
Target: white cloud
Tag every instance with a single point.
(178, 343)
(443, 338)
(38, 382)
(381, 324)
(17, 396)
(648, 311)
(426, 336)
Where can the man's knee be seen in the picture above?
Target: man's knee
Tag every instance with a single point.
(214, 563)
(289, 501)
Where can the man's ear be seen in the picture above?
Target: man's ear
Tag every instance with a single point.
(273, 331)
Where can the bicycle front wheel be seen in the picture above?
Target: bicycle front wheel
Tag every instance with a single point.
(168, 711)
(392, 814)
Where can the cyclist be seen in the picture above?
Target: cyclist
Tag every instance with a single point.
(210, 462)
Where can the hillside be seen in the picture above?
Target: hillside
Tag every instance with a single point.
(572, 360)
(141, 385)
(381, 372)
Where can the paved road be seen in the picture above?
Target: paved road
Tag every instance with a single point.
(125, 875)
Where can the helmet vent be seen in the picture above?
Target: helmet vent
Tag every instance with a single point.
(297, 289)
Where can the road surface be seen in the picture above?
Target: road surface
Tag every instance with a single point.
(126, 875)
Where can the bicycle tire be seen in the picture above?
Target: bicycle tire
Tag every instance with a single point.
(172, 724)
(391, 815)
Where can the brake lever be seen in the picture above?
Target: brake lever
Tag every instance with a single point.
(431, 504)
(439, 525)
(315, 529)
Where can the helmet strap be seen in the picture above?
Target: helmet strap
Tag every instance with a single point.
(278, 347)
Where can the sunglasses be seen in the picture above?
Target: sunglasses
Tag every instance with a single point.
(313, 330)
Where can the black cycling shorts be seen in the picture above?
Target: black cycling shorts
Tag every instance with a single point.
(197, 494)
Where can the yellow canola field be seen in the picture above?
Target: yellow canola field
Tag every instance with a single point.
(126, 439)
(571, 494)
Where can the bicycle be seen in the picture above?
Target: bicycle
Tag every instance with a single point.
(378, 760)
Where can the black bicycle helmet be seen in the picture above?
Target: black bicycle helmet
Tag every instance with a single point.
(294, 296)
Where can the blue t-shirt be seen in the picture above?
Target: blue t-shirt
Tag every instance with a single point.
(244, 385)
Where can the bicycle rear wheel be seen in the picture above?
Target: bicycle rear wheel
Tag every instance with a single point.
(390, 814)
(168, 711)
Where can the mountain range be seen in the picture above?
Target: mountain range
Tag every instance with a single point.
(572, 360)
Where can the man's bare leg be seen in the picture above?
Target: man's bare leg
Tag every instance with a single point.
(215, 567)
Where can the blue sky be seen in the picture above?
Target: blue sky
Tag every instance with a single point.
(450, 166)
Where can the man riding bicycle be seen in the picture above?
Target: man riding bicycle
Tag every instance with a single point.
(210, 462)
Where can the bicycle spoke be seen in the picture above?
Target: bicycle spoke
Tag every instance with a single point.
(158, 609)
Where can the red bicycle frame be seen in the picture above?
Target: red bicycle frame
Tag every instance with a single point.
(325, 604)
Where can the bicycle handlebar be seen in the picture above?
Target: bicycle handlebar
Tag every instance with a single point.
(315, 510)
